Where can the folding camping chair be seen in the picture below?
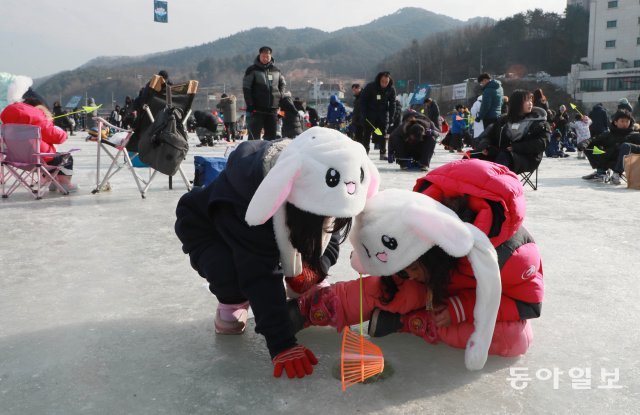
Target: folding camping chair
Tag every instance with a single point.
(23, 164)
(125, 152)
(526, 178)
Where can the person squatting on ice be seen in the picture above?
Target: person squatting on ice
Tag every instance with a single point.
(435, 273)
(279, 207)
(415, 138)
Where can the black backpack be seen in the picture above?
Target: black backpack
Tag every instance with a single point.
(164, 145)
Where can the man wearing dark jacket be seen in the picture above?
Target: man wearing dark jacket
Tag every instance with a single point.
(433, 112)
(600, 120)
(291, 121)
(378, 104)
(263, 86)
(357, 123)
(491, 100)
(227, 106)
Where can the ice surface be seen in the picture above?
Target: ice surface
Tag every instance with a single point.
(101, 313)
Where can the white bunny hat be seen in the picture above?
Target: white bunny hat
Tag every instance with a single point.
(398, 226)
(322, 171)
(12, 87)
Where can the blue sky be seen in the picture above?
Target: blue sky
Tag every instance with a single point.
(42, 37)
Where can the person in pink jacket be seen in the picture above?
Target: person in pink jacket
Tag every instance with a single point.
(34, 111)
(434, 292)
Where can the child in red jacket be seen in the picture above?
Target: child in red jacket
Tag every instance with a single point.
(435, 292)
(34, 111)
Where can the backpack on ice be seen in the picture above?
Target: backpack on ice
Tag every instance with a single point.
(164, 145)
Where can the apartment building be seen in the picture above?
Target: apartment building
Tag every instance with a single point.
(611, 69)
(584, 3)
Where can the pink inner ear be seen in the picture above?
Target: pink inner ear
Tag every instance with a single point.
(374, 182)
(282, 196)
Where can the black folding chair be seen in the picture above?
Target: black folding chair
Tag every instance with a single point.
(530, 178)
(124, 153)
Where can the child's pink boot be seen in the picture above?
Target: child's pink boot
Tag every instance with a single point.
(231, 318)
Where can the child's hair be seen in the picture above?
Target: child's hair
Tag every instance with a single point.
(516, 101)
(621, 114)
(538, 95)
(305, 234)
(483, 76)
(438, 263)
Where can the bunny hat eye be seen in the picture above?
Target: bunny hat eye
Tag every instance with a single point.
(361, 175)
(389, 242)
(332, 178)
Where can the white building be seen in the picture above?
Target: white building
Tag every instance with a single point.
(583, 3)
(611, 69)
(319, 92)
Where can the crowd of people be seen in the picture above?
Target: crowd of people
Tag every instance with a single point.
(431, 286)
(281, 207)
(293, 191)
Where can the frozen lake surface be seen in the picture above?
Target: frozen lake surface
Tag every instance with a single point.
(101, 313)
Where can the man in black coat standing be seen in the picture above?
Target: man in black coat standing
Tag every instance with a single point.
(356, 116)
(263, 85)
(600, 120)
(378, 105)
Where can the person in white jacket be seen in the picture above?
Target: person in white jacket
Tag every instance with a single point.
(478, 127)
(581, 127)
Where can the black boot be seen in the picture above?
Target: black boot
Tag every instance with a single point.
(295, 316)
(383, 323)
(418, 322)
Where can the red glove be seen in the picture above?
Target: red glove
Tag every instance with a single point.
(303, 281)
(297, 361)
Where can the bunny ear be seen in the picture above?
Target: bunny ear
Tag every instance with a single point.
(374, 182)
(433, 224)
(290, 258)
(274, 190)
(484, 261)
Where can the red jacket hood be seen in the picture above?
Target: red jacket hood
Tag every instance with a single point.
(485, 183)
(21, 113)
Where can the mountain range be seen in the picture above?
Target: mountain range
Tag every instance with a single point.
(302, 54)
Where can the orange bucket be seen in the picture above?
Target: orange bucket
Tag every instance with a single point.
(360, 359)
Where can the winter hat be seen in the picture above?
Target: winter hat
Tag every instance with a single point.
(31, 97)
(398, 226)
(265, 49)
(623, 101)
(323, 172)
(12, 87)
